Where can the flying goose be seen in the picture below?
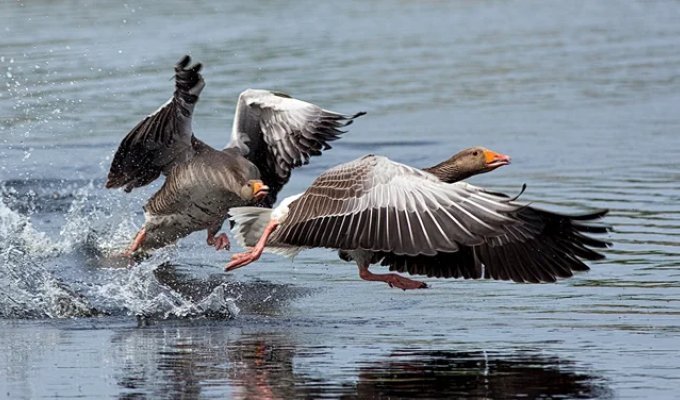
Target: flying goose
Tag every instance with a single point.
(272, 134)
(422, 222)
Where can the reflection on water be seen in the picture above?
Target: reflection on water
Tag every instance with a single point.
(275, 366)
(583, 95)
(262, 366)
(450, 374)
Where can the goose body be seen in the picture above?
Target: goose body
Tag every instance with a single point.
(272, 134)
(425, 222)
(197, 195)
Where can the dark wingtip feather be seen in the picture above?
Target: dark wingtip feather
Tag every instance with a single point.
(591, 228)
(350, 119)
(281, 94)
(183, 62)
(507, 198)
(187, 78)
(590, 216)
(556, 249)
(524, 187)
(589, 241)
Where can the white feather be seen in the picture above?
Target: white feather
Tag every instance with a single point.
(256, 218)
(281, 211)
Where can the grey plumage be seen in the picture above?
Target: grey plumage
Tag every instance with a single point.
(411, 221)
(272, 134)
(376, 204)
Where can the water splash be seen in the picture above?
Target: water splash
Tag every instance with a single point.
(88, 225)
(76, 273)
(29, 291)
(138, 291)
(17, 232)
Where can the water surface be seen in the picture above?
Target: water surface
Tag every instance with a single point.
(583, 96)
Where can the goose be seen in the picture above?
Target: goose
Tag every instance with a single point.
(272, 134)
(422, 222)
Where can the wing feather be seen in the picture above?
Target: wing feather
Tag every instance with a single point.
(387, 206)
(278, 133)
(543, 247)
(417, 224)
(420, 225)
(162, 139)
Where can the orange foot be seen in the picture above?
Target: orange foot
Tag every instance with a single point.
(239, 260)
(400, 282)
(219, 242)
(136, 243)
(393, 280)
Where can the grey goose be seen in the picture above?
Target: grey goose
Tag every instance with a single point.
(272, 134)
(422, 222)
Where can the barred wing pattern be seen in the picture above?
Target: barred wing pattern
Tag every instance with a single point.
(278, 133)
(376, 204)
(415, 223)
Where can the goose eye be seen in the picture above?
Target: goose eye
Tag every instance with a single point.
(475, 153)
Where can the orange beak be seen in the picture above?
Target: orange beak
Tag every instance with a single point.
(260, 190)
(495, 160)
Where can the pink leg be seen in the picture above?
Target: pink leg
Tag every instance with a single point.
(393, 280)
(242, 259)
(136, 242)
(220, 241)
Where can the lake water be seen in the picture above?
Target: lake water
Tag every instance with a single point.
(585, 97)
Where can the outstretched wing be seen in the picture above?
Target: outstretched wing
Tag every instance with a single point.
(544, 246)
(278, 133)
(162, 139)
(417, 224)
(376, 204)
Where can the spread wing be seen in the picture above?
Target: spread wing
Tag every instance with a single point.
(162, 139)
(544, 246)
(380, 205)
(278, 133)
(415, 223)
